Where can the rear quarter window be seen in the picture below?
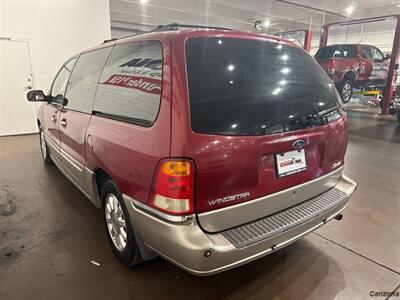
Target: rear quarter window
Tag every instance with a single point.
(130, 85)
(339, 51)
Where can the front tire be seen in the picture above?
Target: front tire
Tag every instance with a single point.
(346, 90)
(118, 226)
(44, 149)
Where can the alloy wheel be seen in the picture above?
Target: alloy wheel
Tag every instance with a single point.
(115, 221)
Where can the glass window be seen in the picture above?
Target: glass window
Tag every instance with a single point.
(130, 85)
(366, 52)
(336, 51)
(249, 87)
(84, 78)
(377, 54)
(60, 82)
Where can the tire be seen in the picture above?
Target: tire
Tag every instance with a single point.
(114, 211)
(398, 117)
(346, 90)
(44, 149)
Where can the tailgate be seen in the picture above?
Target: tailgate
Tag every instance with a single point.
(267, 129)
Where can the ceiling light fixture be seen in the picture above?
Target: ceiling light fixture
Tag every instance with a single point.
(350, 10)
(143, 1)
(266, 23)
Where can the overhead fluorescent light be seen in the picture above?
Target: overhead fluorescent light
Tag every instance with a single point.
(349, 10)
(266, 23)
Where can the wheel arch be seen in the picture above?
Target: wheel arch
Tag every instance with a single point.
(101, 176)
(349, 75)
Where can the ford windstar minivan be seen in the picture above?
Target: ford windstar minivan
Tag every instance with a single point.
(208, 147)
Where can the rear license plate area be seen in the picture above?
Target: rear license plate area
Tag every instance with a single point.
(289, 163)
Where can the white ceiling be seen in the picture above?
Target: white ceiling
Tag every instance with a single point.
(127, 15)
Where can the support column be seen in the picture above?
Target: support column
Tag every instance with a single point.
(387, 95)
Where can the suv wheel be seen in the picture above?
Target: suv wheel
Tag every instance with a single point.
(118, 226)
(44, 148)
(346, 90)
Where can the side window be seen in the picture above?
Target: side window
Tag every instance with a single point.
(60, 82)
(84, 78)
(130, 84)
(366, 52)
(377, 54)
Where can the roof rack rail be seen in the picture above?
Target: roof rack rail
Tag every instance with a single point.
(176, 26)
(109, 40)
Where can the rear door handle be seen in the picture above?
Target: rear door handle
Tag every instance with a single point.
(54, 118)
(63, 122)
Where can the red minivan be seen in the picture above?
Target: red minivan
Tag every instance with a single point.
(208, 147)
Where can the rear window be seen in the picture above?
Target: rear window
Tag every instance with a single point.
(339, 51)
(130, 84)
(249, 87)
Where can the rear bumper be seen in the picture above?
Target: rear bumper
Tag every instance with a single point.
(186, 244)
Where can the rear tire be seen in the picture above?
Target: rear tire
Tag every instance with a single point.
(118, 226)
(44, 149)
(346, 90)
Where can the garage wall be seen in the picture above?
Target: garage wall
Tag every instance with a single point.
(379, 34)
(54, 30)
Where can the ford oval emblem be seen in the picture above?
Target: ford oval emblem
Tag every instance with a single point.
(298, 144)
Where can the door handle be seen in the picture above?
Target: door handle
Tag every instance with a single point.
(63, 122)
(54, 118)
(28, 87)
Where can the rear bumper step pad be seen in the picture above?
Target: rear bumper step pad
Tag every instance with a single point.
(270, 226)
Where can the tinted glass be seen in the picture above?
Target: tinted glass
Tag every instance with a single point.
(60, 82)
(376, 54)
(338, 51)
(84, 78)
(248, 87)
(366, 52)
(130, 85)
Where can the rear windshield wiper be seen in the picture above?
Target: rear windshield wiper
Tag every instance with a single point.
(326, 112)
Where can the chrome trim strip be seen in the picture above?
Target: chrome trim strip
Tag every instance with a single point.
(70, 178)
(187, 219)
(78, 165)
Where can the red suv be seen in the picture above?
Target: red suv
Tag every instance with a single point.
(352, 66)
(208, 147)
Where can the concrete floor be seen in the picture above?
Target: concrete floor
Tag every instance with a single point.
(49, 233)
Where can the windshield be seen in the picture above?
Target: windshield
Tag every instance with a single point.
(250, 87)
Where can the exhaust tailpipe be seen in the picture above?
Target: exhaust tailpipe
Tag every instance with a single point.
(339, 217)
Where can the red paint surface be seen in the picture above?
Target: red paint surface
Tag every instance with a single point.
(225, 165)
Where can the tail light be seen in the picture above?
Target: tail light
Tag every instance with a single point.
(173, 189)
(331, 67)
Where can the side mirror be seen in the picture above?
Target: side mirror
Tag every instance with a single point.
(36, 96)
(387, 56)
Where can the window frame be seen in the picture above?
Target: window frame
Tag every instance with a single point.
(56, 104)
(95, 90)
(131, 120)
(378, 51)
(367, 48)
